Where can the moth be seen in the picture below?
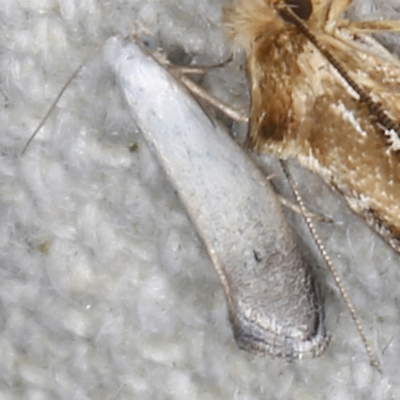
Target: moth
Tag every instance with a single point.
(284, 127)
(275, 306)
(326, 93)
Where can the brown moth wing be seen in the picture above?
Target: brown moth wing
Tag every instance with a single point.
(371, 66)
(301, 107)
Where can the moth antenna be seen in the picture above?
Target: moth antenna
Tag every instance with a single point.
(375, 108)
(55, 101)
(339, 283)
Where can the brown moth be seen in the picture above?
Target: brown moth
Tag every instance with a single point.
(328, 94)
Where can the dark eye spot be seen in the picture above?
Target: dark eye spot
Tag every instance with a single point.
(302, 8)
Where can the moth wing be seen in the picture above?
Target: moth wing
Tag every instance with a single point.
(371, 66)
(303, 108)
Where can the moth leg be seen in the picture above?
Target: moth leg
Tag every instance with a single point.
(200, 93)
(200, 69)
(314, 216)
(370, 26)
(161, 58)
(181, 73)
(294, 207)
(336, 10)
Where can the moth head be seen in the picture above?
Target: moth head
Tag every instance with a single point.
(247, 20)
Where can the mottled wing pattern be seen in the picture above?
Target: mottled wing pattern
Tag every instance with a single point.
(301, 107)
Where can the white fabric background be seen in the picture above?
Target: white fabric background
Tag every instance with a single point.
(106, 292)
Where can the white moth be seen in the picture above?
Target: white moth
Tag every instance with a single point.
(274, 304)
